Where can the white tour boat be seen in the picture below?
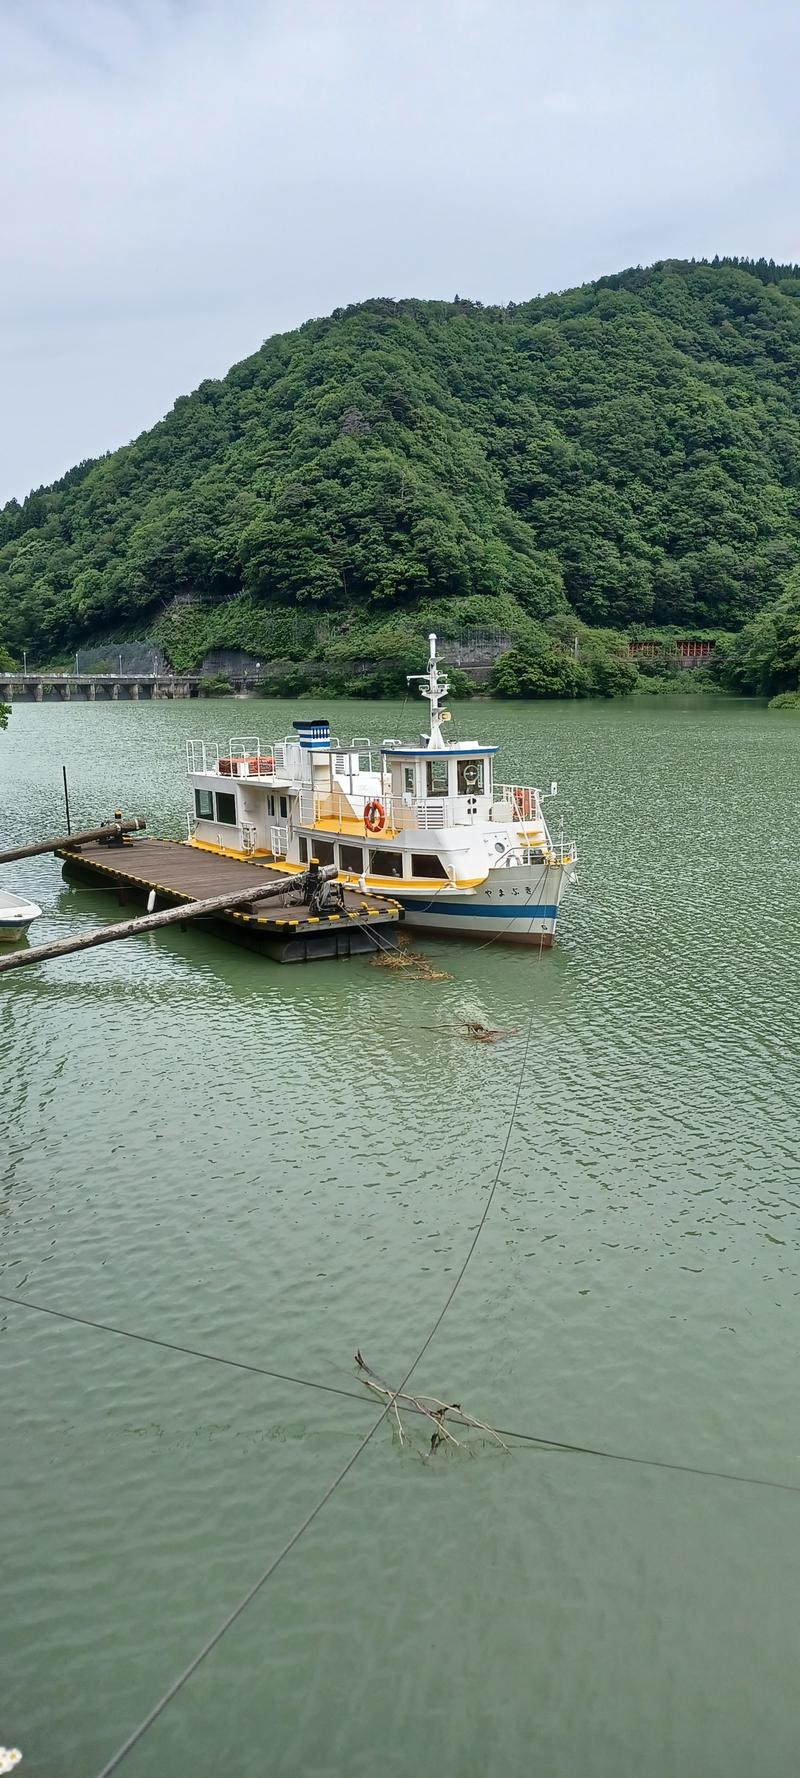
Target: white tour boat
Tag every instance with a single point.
(16, 915)
(429, 825)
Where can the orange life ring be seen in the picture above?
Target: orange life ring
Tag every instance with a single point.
(374, 816)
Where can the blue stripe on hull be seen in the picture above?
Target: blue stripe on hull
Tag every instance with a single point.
(472, 909)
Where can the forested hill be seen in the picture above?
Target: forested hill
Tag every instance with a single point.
(630, 449)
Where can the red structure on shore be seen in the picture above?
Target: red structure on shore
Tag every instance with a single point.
(690, 651)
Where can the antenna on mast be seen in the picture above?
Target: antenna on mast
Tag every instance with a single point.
(434, 689)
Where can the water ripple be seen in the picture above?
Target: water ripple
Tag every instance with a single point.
(284, 1164)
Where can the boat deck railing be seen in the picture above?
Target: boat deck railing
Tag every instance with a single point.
(279, 762)
(246, 756)
(523, 801)
(345, 813)
(347, 761)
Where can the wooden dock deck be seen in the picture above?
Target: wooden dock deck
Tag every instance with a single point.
(173, 872)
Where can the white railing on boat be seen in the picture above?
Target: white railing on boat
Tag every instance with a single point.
(246, 757)
(523, 801)
(356, 758)
(338, 810)
(281, 763)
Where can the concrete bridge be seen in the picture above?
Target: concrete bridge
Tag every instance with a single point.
(91, 688)
(475, 650)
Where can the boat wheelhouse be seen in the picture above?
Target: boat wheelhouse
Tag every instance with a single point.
(427, 822)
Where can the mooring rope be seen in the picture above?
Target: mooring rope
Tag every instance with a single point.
(536, 1439)
(127, 1333)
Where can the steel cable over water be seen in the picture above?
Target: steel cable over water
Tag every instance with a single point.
(535, 1439)
(147, 1722)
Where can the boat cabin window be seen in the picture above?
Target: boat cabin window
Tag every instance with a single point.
(351, 858)
(386, 864)
(322, 851)
(409, 785)
(427, 864)
(437, 777)
(204, 805)
(284, 807)
(271, 805)
(470, 777)
(226, 808)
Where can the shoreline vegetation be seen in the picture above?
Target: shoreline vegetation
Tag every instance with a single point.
(559, 658)
(594, 468)
(556, 658)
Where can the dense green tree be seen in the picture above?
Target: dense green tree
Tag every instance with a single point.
(565, 659)
(785, 700)
(765, 657)
(629, 450)
(610, 675)
(5, 661)
(539, 668)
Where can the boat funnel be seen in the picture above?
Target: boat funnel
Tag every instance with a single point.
(314, 736)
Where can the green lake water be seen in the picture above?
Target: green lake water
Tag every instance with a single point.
(280, 1165)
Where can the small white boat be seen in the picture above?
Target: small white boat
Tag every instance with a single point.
(16, 915)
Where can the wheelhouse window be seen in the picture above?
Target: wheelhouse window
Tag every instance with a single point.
(427, 864)
(470, 777)
(437, 777)
(351, 858)
(284, 806)
(386, 864)
(409, 785)
(204, 805)
(322, 850)
(226, 808)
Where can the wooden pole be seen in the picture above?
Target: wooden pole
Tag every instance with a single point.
(111, 830)
(187, 910)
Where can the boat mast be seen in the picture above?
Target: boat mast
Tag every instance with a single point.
(434, 689)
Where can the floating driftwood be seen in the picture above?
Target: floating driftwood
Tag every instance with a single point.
(416, 965)
(430, 1408)
(478, 1032)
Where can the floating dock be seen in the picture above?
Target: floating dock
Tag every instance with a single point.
(167, 873)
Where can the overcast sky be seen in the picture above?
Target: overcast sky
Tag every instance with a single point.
(181, 178)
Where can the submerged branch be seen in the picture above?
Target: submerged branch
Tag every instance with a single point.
(429, 1407)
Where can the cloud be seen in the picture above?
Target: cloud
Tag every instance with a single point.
(184, 177)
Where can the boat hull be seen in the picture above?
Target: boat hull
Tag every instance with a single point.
(516, 906)
(484, 924)
(16, 916)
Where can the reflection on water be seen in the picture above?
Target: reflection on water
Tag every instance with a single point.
(284, 1164)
